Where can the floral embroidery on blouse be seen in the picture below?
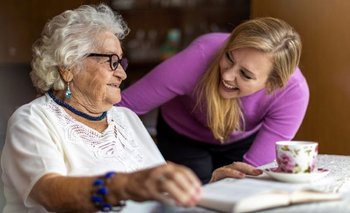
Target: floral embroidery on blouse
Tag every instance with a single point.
(115, 143)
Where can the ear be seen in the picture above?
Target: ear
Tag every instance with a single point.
(66, 74)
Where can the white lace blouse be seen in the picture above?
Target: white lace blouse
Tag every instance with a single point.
(41, 138)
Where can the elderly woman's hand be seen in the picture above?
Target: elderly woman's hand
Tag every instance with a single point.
(234, 170)
(169, 182)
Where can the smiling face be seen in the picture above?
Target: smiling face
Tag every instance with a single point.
(96, 86)
(243, 72)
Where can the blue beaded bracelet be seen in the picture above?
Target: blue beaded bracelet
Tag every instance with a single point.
(98, 197)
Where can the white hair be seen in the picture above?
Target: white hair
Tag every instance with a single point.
(67, 39)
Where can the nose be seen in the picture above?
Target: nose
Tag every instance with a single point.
(231, 73)
(120, 73)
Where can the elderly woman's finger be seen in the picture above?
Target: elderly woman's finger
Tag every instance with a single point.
(190, 176)
(182, 185)
(179, 195)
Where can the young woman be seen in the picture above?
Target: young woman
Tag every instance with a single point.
(226, 97)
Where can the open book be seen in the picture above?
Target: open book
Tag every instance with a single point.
(252, 194)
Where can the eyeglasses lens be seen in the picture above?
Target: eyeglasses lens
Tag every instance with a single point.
(124, 63)
(116, 61)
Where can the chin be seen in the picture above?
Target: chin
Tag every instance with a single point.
(113, 98)
(117, 100)
(228, 95)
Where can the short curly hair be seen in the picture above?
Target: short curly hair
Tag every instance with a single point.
(69, 37)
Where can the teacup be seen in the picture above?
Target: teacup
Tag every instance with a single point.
(296, 156)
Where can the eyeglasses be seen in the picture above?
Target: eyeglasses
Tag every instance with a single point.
(114, 60)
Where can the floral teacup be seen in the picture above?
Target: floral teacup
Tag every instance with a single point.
(296, 156)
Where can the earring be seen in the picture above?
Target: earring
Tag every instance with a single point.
(68, 93)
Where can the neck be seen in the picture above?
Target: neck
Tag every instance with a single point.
(75, 111)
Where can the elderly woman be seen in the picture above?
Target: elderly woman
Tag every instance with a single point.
(71, 150)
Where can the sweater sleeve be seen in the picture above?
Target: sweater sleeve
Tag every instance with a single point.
(175, 76)
(281, 122)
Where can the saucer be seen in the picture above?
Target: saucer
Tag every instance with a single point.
(296, 178)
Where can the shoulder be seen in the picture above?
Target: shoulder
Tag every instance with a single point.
(30, 110)
(296, 92)
(211, 40)
(204, 48)
(298, 82)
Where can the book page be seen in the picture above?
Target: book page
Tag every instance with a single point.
(251, 194)
(306, 196)
(225, 194)
(262, 201)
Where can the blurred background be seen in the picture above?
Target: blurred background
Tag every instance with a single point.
(160, 28)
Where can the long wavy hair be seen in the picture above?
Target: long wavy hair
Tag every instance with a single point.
(266, 34)
(67, 38)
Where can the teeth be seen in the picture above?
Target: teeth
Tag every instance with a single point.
(228, 86)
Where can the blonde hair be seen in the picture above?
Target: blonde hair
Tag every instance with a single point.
(268, 35)
(67, 38)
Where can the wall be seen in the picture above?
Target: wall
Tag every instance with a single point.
(22, 21)
(324, 28)
(16, 89)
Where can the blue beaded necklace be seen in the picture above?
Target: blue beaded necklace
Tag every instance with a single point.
(75, 111)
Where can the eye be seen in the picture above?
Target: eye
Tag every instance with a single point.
(115, 64)
(112, 63)
(228, 56)
(245, 75)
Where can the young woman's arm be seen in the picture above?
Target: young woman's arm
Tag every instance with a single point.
(175, 76)
(283, 118)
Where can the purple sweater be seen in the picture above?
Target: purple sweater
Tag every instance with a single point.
(170, 85)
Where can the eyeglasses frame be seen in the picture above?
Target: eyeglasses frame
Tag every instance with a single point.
(120, 60)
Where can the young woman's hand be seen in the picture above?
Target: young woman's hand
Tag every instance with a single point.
(234, 170)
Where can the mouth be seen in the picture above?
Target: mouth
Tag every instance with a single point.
(229, 86)
(115, 85)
